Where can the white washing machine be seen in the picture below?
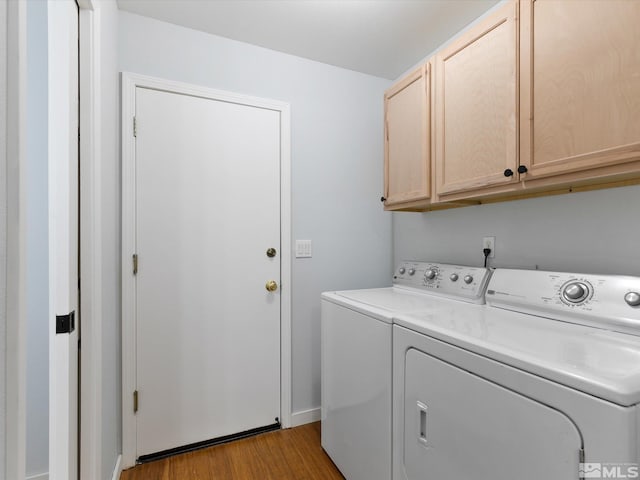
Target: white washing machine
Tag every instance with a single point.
(356, 359)
(543, 382)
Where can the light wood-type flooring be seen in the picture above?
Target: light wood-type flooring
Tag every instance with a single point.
(293, 454)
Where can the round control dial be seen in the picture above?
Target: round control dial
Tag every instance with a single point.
(575, 292)
(632, 299)
(468, 279)
(454, 277)
(430, 274)
(412, 271)
(401, 270)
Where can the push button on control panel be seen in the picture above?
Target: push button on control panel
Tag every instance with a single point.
(632, 299)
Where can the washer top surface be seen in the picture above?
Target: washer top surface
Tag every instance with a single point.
(417, 286)
(384, 303)
(598, 361)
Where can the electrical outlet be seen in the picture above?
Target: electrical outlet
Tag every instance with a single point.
(490, 242)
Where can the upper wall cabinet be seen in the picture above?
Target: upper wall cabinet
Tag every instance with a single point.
(407, 159)
(580, 88)
(538, 97)
(476, 106)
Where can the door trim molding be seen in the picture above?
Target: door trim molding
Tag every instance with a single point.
(90, 304)
(130, 82)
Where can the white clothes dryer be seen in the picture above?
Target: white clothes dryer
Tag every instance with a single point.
(543, 382)
(356, 358)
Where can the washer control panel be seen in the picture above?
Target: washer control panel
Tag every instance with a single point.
(611, 302)
(456, 281)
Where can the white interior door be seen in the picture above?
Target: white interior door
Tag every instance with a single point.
(207, 195)
(63, 238)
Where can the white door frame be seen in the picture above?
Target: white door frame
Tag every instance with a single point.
(13, 158)
(90, 242)
(130, 82)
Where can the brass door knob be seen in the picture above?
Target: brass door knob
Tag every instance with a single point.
(271, 252)
(271, 286)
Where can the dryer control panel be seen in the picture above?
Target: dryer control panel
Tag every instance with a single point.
(453, 281)
(610, 302)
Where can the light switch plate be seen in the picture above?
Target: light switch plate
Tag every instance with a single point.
(303, 249)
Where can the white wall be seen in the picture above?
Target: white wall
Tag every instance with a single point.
(110, 204)
(337, 148)
(37, 461)
(3, 224)
(16, 198)
(592, 232)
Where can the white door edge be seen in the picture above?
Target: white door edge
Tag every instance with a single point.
(130, 82)
(63, 180)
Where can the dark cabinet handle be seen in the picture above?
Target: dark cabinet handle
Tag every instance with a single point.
(383, 199)
(522, 169)
(508, 172)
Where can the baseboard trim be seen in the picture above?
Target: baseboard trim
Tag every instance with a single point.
(117, 469)
(40, 476)
(305, 416)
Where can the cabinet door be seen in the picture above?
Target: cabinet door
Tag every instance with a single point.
(476, 106)
(580, 88)
(408, 140)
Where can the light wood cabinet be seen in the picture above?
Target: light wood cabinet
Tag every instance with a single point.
(580, 89)
(476, 104)
(539, 97)
(407, 160)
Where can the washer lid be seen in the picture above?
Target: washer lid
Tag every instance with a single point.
(384, 303)
(602, 363)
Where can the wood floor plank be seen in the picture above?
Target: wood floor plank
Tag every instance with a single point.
(292, 454)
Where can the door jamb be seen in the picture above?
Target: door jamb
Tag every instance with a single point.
(130, 82)
(90, 306)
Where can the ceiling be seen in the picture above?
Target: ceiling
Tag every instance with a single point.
(378, 37)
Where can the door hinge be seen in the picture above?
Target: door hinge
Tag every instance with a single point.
(135, 263)
(135, 127)
(66, 323)
(135, 401)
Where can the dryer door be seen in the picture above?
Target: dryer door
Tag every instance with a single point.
(459, 426)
